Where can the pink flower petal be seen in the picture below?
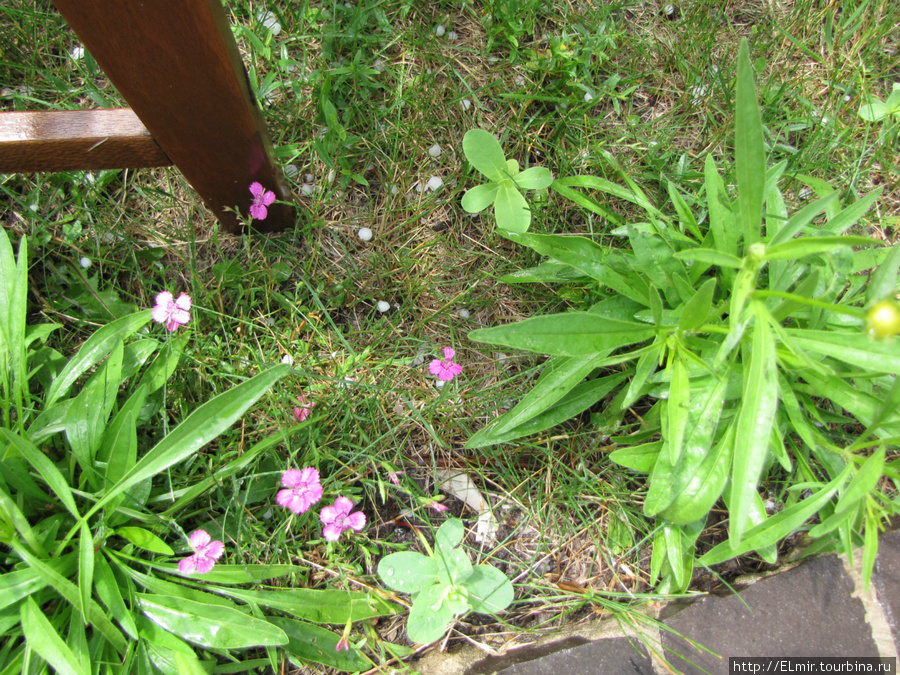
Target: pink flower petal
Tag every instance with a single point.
(258, 211)
(343, 505)
(199, 539)
(357, 521)
(332, 532)
(449, 353)
(183, 302)
(188, 565)
(256, 189)
(204, 565)
(268, 198)
(214, 549)
(328, 515)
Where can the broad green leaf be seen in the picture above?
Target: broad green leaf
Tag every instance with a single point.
(510, 208)
(721, 217)
(110, 594)
(749, 149)
(144, 539)
(450, 535)
(710, 256)
(407, 571)
(212, 627)
(585, 201)
(874, 356)
(485, 153)
(162, 645)
(119, 444)
(535, 178)
(883, 282)
(93, 351)
(639, 458)
(490, 591)
(14, 519)
(801, 219)
(479, 197)
(568, 334)
(43, 639)
(803, 246)
(775, 528)
(315, 605)
(44, 468)
(759, 404)
(862, 483)
(308, 642)
(697, 309)
(678, 408)
(202, 426)
(454, 566)
(548, 272)
(871, 544)
(85, 569)
(165, 363)
(188, 664)
(874, 110)
(429, 616)
(864, 407)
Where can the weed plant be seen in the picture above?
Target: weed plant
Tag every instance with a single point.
(356, 95)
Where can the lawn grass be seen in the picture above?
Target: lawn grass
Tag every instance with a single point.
(560, 82)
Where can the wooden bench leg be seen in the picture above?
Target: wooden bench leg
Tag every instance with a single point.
(176, 64)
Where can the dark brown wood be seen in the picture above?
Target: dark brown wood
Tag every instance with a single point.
(76, 139)
(176, 64)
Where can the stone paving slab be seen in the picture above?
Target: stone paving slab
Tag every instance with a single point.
(609, 655)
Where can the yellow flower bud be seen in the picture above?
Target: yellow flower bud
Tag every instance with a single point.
(883, 320)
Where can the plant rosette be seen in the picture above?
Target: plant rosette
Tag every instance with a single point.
(444, 585)
(506, 182)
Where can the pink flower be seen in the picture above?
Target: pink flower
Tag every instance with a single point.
(206, 552)
(302, 412)
(445, 370)
(344, 642)
(172, 312)
(304, 489)
(338, 518)
(437, 506)
(393, 477)
(261, 199)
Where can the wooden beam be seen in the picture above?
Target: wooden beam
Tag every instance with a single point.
(177, 65)
(76, 139)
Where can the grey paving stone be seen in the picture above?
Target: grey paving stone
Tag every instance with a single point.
(609, 655)
(886, 580)
(807, 611)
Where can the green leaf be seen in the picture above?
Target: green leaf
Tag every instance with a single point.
(535, 178)
(568, 334)
(801, 219)
(697, 309)
(480, 197)
(803, 246)
(510, 208)
(721, 217)
(490, 591)
(407, 571)
(213, 627)
(759, 404)
(710, 256)
(775, 528)
(42, 637)
(749, 149)
(308, 642)
(107, 587)
(85, 569)
(874, 110)
(318, 606)
(144, 539)
(485, 153)
(93, 351)
(429, 616)
(883, 282)
(44, 468)
(450, 534)
(677, 408)
(202, 426)
(639, 458)
(874, 356)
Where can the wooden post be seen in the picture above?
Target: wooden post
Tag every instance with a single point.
(176, 64)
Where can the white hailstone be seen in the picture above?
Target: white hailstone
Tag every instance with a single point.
(440, 30)
(85, 263)
(291, 170)
(669, 10)
(77, 53)
(588, 97)
(434, 183)
(520, 80)
(697, 94)
(846, 98)
(466, 104)
(452, 35)
(464, 314)
(824, 120)
(309, 178)
(6, 92)
(435, 150)
(378, 65)
(439, 384)
(493, 59)
(653, 144)
(269, 22)
(365, 234)
(287, 360)
(383, 306)
(33, 207)
(330, 177)
(805, 193)
(308, 189)
(394, 189)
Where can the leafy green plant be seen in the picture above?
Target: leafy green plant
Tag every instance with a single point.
(506, 182)
(875, 110)
(88, 577)
(741, 346)
(444, 584)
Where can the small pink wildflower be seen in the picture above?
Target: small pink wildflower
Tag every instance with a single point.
(304, 489)
(393, 477)
(338, 518)
(305, 408)
(261, 199)
(172, 312)
(344, 642)
(206, 552)
(445, 370)
(437, 506)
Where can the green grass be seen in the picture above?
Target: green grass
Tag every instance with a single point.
(662, 97)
